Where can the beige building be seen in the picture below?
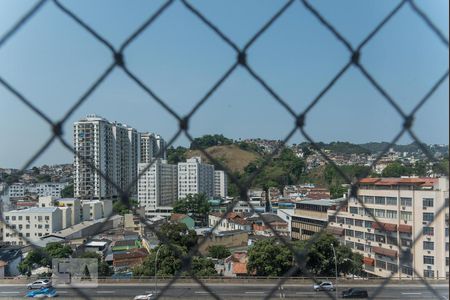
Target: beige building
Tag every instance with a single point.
(405, 207)
(310, 217)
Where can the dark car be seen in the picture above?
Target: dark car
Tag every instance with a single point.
(355, 293)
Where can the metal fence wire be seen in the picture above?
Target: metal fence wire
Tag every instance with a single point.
(298, 119)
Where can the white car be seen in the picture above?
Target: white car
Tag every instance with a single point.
(145, 297)
(324, 286)
(41, 283)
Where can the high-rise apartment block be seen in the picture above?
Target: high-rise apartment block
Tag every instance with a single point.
(413, 229)
(151, 146)
(115, 150)
(220, 184)
(157, 187)
(195, 177)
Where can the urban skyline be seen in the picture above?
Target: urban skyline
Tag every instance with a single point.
(297, 57)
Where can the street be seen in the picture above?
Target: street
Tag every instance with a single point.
(232, 291)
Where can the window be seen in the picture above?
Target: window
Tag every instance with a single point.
(405, 201)
(380, 264)
(381, 213)
(20, 218)
(428, 260)
(428, 217)
(331, 218)
(406, 242)
(359, 223)
(349, 232)
(369, 212)
(428, 245)
(349, 221)
(47, 218)
(380, 238)
(359, 234)
(429, 230)
(370, 236)
(392, 240)
(407, 270)
(350, 244)
(340, 220)
(427, 202)
(353, 210)
(359, 246)
(391, 200)
(391, 214)
(406, 215)
(368, 224)
(392, 267)
(428, 273)
(380, 200)
(368, 199)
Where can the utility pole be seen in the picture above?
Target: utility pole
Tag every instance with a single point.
(335, 265)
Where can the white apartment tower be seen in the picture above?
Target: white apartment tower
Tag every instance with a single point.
(150, 146)
(112, 148)
(405, 207)
(157, 188)
(220, 184)
(195, 177)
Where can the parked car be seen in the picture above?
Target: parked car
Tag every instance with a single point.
(145, 297)
(324, 286)
(41, 283)
(42, 293)
(355, 293)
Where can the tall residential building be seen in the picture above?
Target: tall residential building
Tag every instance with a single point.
(112, 148)
(405, 207)
(220, 184)
(195, 177)
(157, 188)
(150, 146)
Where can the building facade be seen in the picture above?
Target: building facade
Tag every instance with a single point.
(195, 177)
(220, 184)
(405, 208)
(32, 223)
(157, 187)
(151, 146)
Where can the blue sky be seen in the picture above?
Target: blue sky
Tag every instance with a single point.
(53, 61)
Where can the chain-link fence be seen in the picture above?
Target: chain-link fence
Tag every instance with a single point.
(298, 119)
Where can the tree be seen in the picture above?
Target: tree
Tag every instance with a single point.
(104, 269)
(120, 208)
(269, 258)
(320, 257)
(176, 155)
(196, 206)
(207, 141)
(396, 169)
(202, 266)
(178, 234)
(67, 192)
(337, 191)
(43, 178)
(218, 251)
(169, 261)
(43, 257)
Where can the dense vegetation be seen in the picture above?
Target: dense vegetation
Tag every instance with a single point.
(207, 141)
(270, 257)
(196, 206)
(43, 257)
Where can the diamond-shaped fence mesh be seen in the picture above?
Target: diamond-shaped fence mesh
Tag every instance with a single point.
(299, 120)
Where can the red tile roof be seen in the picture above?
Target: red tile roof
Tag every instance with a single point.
(239, 268)
(177, 217)
(400, 181)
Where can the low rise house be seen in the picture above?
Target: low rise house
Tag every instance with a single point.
(182, 218)
(236, 264)
(232, 221)
(126, 260)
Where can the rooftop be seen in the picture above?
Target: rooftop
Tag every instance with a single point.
(422, 182)
(34, 210)
(322, 202)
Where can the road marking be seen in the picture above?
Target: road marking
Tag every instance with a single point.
(10, 292)
(202, 292)
(305, 293)
(411, 293)
(105, 292)
(254, 292)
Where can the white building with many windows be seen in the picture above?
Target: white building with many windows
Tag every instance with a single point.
(157, 188)
(150, 147)
(220, 184)
(405, 207)
(195, 177)
(32, 223)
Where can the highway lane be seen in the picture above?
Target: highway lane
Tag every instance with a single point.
(233, 291)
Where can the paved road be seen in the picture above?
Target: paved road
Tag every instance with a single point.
(234, 291)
